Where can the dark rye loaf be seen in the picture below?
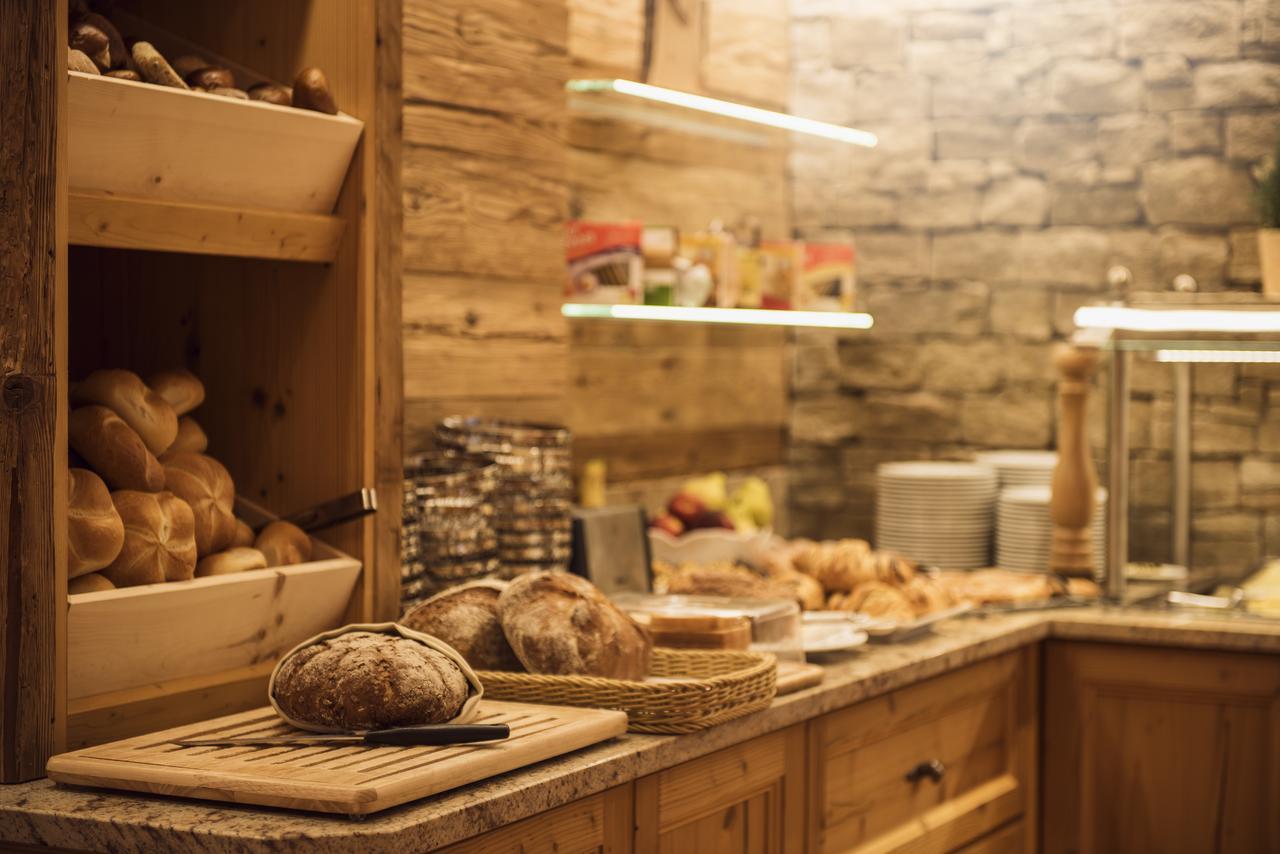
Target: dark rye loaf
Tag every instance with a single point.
(364, 680)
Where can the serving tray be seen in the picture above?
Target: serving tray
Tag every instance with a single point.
(354, 780)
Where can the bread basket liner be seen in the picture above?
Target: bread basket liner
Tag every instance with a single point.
(466, 713)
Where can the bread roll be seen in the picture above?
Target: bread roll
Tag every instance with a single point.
(361, 680)
(239, 559)
(243, 535)
(125, 394)
(562, 624)
(191, 438)
(206, 485)
(94, 530)
(159, 539)
(113, 449)
(180, 388)
(91, 583)
(283, 543)
(466, 618)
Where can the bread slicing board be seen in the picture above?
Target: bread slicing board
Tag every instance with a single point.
(352, 780)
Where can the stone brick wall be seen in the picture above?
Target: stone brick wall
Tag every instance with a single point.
(1026, 146)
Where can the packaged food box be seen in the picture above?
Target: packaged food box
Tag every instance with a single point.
(717, 251)
(827, 279)
(605, 263)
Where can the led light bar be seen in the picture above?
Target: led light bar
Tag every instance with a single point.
(1242, 356)
(1176, 320)
(689, 101)
(741, 316)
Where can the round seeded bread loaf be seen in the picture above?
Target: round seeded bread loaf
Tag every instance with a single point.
(466, 618)
(562, 624)
(361, 680)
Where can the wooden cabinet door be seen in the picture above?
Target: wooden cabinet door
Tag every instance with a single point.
(599, 824)
(930, 767)
(1149, 749)
(745, 799)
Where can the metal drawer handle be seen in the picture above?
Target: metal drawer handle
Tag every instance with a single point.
(933, 769)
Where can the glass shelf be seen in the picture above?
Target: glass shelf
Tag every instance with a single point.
(739, 316)
(621, 99)
(1203, 331)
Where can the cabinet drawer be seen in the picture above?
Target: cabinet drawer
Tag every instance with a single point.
(930, 767)
(598, 824)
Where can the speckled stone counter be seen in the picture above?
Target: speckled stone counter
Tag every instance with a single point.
(42, 813)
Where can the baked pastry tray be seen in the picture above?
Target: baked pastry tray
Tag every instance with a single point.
(352, 780)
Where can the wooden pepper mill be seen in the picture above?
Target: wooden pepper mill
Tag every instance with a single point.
(1075, 482)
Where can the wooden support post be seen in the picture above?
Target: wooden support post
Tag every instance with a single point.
(33, 471)
(1075, 483)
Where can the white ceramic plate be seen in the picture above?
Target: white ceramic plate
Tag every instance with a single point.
(835, 636)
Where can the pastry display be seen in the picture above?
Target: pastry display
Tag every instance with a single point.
(205, 484)
(359, 679)
(562, 624)
(113, 450)
(125, 394)
(466, 617)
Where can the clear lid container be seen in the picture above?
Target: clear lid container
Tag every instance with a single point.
(776, 625)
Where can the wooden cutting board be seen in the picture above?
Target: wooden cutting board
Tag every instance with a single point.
(352, 780)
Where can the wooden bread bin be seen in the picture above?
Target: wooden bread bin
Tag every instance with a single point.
(142, 636)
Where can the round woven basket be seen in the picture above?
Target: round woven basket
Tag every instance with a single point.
(687, 690)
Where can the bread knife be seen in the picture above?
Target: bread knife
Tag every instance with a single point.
(405, 736)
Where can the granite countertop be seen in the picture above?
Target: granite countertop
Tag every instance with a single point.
(75, 818)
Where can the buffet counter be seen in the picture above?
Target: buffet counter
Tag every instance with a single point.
(80, 819)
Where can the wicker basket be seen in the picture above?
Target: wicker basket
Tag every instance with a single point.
(698, 689)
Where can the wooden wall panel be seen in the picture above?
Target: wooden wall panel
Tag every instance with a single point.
(484, 210)
(33, 300)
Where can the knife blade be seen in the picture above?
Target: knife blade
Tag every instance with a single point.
(407, 736)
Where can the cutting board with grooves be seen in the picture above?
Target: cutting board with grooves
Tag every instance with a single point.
(355, 780)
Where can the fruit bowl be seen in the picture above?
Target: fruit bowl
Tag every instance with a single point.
(709, 545)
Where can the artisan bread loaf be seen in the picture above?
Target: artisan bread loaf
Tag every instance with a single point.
(182, 389)
(562, 624)
(283, 543)
(125, 394)
(91, 583)
(239, 559)
(190, 439)
(466, 618)
(113, 449)
(373, 677)
(205, 484)
(95, 532)
(159, 539)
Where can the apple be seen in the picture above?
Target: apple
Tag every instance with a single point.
(667, 522)
(711, 519)
(686, 508)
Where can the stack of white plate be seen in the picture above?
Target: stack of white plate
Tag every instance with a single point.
(1024, 529)
(938, 513)
(1020, 468)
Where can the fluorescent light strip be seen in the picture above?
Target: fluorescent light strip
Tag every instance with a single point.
(704, 104)
(1176, 320)
(741, 316)
(1242, 356)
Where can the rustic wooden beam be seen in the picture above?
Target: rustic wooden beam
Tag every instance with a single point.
(33, 297)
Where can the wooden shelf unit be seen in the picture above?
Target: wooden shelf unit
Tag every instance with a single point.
(122, 222)
(304, 399)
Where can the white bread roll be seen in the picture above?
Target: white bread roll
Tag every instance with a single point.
(243, 535)
(284, 544)
(181, 388)
(237, 559)
(206, 485)
(91, 583)
(159, 539)
(125, 394)
(191, 438)
(113, 449)
(95, 532)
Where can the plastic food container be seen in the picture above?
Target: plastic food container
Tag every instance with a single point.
(776, 625)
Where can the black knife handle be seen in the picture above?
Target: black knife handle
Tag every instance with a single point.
(438, 734)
